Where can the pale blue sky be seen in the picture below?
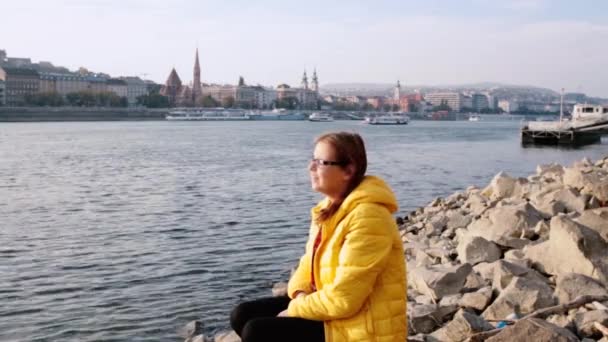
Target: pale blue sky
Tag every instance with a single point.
(544, 43)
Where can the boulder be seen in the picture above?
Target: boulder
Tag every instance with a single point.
(475, 249)
(426, 318)
(229, 336)
(584, 322)
(573, 285)
(505, 272)
(438, 281)
(595, 219)
(506, 222)
(501, 186)
(424, 300)
(191, 330)
(476, 300)
(436, 225)
(571, 248)
(536, 330)
(474, 282)
(562, 321)
(517, 257)
(571, 199)
(458, 220)
(460, 328)
(485, 270)
(550, 171)
(476, 203)
(450, 300)
(542, 228)
(522, 296)
(587, 180)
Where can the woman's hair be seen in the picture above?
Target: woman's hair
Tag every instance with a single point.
(350, 150)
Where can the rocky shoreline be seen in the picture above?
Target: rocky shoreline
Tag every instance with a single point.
(521, 259)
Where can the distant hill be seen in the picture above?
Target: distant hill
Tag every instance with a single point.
(380, 89)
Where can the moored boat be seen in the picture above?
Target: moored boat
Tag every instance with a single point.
(388, 119)
(320, 117)
(277, 114)
(205, 114)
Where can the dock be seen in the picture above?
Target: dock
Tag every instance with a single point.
(587, 126)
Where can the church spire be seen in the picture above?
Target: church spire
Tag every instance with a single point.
(304, 80)
(197, 90)
(397, 92)
(315, 81)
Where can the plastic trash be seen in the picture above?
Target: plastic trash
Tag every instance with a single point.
(511, 317)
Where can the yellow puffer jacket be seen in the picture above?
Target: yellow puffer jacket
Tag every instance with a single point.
(359, 270)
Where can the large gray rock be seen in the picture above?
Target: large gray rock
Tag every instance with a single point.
(571, 248)
(584, 322)
(517, 257)
(191, 330)
(475, 282)
(438, 281)
(501, 186)
(229, 336)
(475, 249)
(571, 199)
(595, 219)
(536, 330)
(522, 297)
(505, 272)
(506, 223)
(460, 328)
(476, 203)
(485, 270)
(551, 171)
(426, 318)
(457, 219)
(573, 285)
(450, 300)
(476, 300)
(562, 321)
(588, 180)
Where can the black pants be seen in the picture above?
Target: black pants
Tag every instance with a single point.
(257, 321)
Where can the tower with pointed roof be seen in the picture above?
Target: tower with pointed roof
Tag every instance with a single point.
(397, 93)
(315, 82)
(197, 88)
(304, 81)
(172, 87)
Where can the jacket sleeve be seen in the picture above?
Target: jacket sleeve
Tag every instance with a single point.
(300, 280)
(362, 257)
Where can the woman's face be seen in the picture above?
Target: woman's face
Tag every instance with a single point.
(330, 180)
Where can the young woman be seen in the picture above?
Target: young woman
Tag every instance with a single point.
(350, 285)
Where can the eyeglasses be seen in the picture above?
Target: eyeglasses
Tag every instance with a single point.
(323, 162)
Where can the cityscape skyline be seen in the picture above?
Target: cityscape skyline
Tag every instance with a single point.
(551, 44)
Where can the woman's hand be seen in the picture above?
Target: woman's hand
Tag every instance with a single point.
(284, 312)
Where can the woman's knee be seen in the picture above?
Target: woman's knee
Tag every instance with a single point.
(239, 317)
(254, 330)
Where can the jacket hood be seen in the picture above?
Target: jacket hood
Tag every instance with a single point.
(371, 190)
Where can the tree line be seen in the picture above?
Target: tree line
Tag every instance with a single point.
(77, 99)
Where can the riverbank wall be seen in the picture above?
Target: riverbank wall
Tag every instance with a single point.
(43, 114)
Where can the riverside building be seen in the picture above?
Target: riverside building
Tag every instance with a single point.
(19, 83)
(2, 86)
(454, 100)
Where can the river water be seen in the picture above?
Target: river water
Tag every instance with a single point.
(125, 231)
